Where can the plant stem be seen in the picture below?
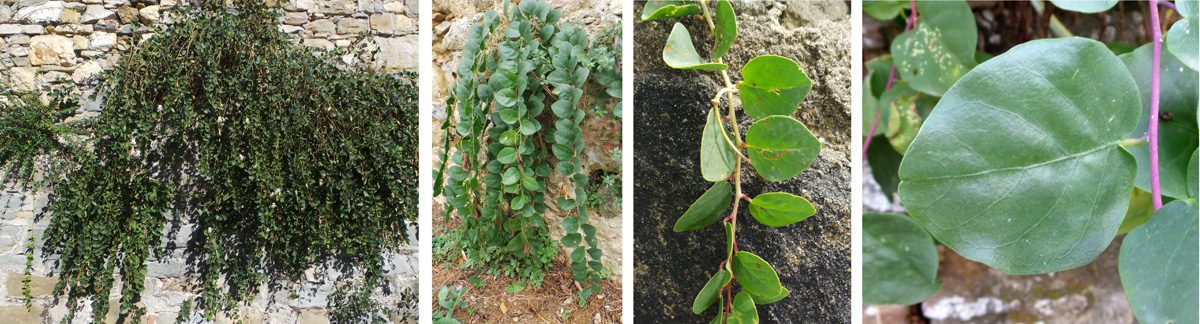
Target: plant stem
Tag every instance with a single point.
(912, 22)
(1131, 142)
(1057, 27)
(1155, 191)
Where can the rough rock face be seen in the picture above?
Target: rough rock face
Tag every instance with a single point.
(812, 257)
(451, 21)
(74, 41)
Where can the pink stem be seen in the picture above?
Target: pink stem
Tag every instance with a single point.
(1168, 4)
(912, 22)
(1155, 191)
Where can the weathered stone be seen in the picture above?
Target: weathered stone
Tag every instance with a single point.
(95, 13)
(60, 68)
(342, 43)
(300, 5)
(383, 24)
(45, 13)
(38, 285)
(11, 236)
(351, 26)
(55, 77)
(10, 29)
(18, 51)
(86, 71)
(169, 269)
(92, 105)
(74, 29)
(318, 43)
(115, 3)
(396, 7)
(76, 6)
(33, 29)
(403, 23)
(102, 41)
(128, 14)
(321, 26)
(337, 7)
(6, 13)
(21, 62)
(69, 16)
(51, 49)
(10, 203)
(295, 18)
(108, 25)
(81, 42)
(20, 39)
(290, 29)
(150, 14)
(26, 3)
(398, 53)
(369, 6)
(314, 316)
(311, 296)
(18, 314)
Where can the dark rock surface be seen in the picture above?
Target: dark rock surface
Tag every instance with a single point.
(812, 257)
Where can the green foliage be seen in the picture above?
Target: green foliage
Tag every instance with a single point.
(447, 300)
(778, 146)
(283, 159)
(940, 50)
(30, 129)
(657, 9)
(1034, 160)
(506, 144)
(1085, 6)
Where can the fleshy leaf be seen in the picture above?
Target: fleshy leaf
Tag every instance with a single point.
(681, 54)
(767, 300)
(903, 123)
(755, 275)
(778, 209)
(884, 9)
(1084, 6)
(657, 9)
(709, 293)
(772, 85)
(726, 29)
(1158, 266)
(1183, 41)
(1177, 136)
(780, 147)
(506, 97)
(1140, 209)
(717, 158)
(940, 50)
(743, 311)
(899, 260)
(1027, 185)
(708, 209)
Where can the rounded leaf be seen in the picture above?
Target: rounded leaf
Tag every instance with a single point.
(726, 29)
(1158, 266)
(717, 158)
(1183, 41)
(1019, 166)
(772, 85)
(709, 293)
(780, 209)
(743, 309)
(1177, 136)
(780, 147)
(1084, 6)
(681, 54)
(668, 8)
(899, 260)
(506, 97)
(507, 155)
(940, 50)
(767, 300)
(755, 275)
(708, 209)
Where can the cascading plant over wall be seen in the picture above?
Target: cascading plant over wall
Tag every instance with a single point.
(778, 147)
(1033, 161)
(282, 159)
(517, 104)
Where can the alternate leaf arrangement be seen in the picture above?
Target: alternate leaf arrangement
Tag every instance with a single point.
(281, 159)
(778, 146)
(507, 147)
(1034, 160)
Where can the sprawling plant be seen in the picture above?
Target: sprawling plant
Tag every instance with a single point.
(1034, 160)
(507, 146)
(282, 159)
(776, 145)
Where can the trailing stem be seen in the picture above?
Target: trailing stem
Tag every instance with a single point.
(912, 22)
(1156, 33)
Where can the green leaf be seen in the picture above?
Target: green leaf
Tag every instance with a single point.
(779, 209)
(728, 240)
(508, 116)
(726, 29)
(1177, 137)
(899, 260)
(572, 240)
(562, 152)
(509, 138)
(578, 255)
(717, 157)
(767, 300)
(519, 202)
(1027, 186)
(506, 98)
(708, 209)
(780, 147)
(659, 9)
(595, 253)
(1084, 6)
(1183, 41)
(507, 156)
(1158, 266)
(709, 293)
(681, 54)
(1188, 8)
(772, 85)
(530, 127)
(530, 184)
(884, 9)
(1192, 181)
(743, 311)
(903, 123)
(570, 224)
(566, 203)
(884, 162)
(1140, 209)
(940, 50)
(515, 287)
(755, 275)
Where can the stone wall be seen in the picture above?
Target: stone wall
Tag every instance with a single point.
(71, 42)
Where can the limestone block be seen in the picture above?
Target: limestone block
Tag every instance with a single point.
(397, 53)
(351, 26)
(128, 14)
(321, 26)
(337, 7)
(52, 50)
(38, 285)
(45, 13)
(295, 18)
(86, 71)
(318, 43)
(102, 41)
(150, 14)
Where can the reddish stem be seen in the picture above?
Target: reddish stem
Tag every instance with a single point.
(912, 22)
(1155, 191)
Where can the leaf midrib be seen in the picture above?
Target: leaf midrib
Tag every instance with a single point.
(1025, 167)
